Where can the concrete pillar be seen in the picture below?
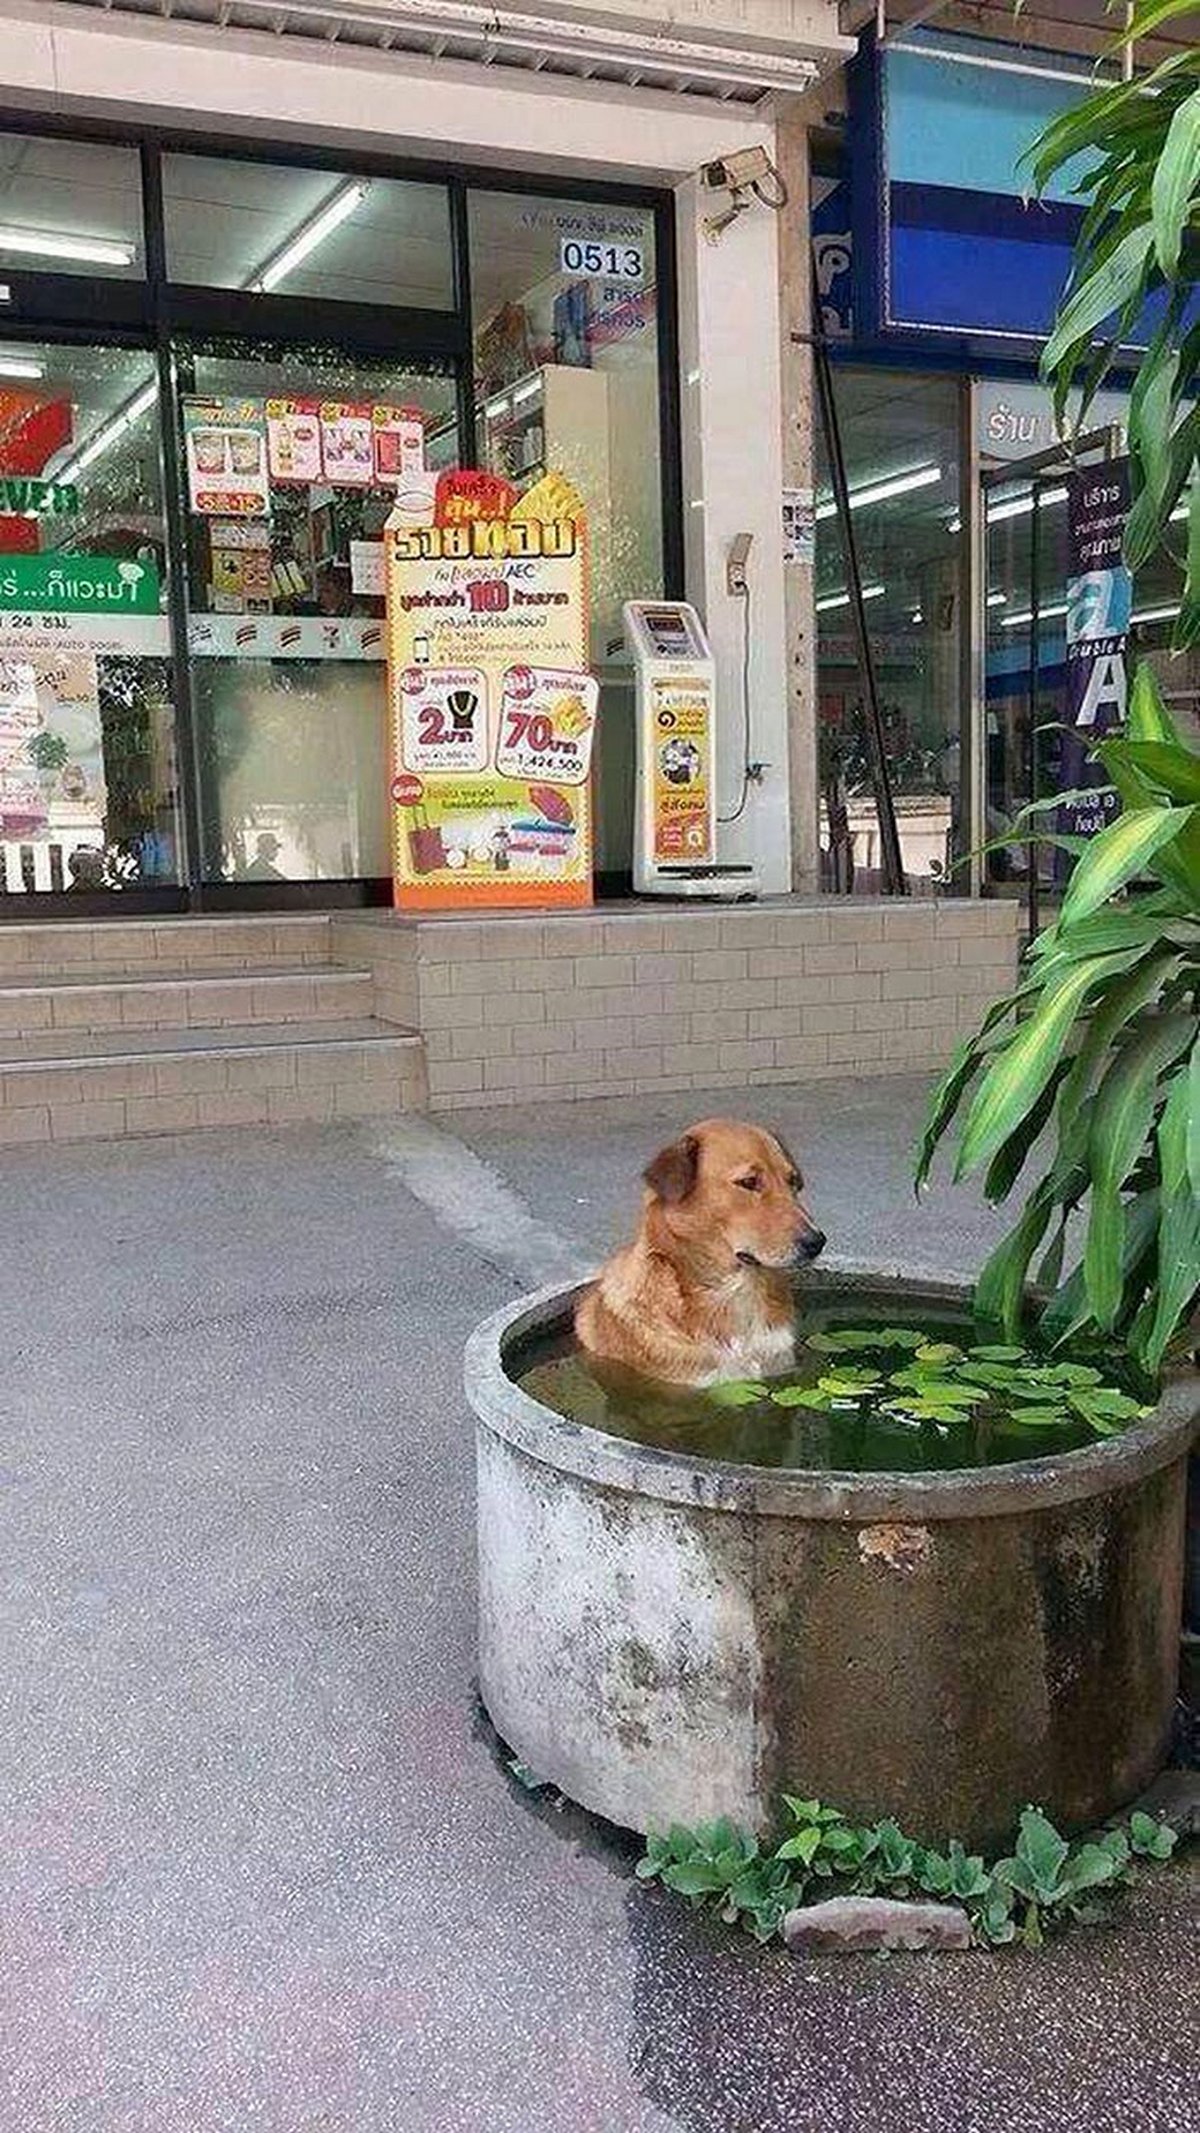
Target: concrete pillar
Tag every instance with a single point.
(732, 478)
(798, 443)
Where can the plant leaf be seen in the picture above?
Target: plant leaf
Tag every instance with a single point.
(1121, 1120)
(1117, 854)
(1019, 1073)
(1174, 184)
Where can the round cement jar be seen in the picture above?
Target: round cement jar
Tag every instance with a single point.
(669, 1638)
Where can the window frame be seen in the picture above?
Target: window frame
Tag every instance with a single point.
(155, 313)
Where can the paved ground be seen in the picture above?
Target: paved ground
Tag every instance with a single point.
(260, 1866)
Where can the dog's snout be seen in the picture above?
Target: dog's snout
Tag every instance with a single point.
(812, 1243)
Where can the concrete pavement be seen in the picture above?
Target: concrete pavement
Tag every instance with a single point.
(261, 1866)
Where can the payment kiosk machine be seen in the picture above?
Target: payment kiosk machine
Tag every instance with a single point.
(675, 822)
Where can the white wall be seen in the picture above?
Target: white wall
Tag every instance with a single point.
(732, 478)
(71, 59)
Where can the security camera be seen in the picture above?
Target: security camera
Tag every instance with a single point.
(748, 174)
(736, 172)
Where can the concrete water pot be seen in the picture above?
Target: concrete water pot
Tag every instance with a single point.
(669, 1638)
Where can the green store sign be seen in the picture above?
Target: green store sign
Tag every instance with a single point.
(78, 584)
(45, 499)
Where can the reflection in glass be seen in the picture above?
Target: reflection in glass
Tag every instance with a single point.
(565, 301)
(88, 790)
(281, 228)
(899, 439)
(293, 462)
(70, 207)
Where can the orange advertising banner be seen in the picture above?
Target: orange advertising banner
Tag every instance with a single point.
(492, 707)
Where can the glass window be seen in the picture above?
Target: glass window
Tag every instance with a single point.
(70, 207)
(292, 462)
(899, 437)
(87, 759)
(297, 232)
(565, 303)
(1021, 421)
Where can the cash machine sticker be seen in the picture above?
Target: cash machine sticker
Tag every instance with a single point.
(682, 781)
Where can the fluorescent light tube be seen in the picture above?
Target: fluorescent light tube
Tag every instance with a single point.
(997, 599)
(1021, 506)
(1155, 614)
(842, 599)
(310, 235)
(55, 244)
(878, 492)
(1045, 614)
(107, 435)
(21, 367)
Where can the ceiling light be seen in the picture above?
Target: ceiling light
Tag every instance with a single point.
(917, 615)
(997, 599)
(109, 432)
(1155, 614)
(878, 492)
(1021, 506)
(310, 235)
(21, 367)
(842, 599)
(55, 244)
(1045, 614)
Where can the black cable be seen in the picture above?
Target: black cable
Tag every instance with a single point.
(741, 806)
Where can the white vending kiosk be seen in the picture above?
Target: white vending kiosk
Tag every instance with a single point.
(675, 817)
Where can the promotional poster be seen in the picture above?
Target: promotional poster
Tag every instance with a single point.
(1099, 597)
(493, 710)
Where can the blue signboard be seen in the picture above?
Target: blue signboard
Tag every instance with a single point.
(948, 242)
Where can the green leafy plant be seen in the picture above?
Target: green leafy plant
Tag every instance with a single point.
(1045, 1881)
(1132, 149)
(1097, 1046)
(946, 1384)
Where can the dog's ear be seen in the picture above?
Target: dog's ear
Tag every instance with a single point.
(672, 1174)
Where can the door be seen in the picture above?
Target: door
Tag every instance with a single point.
(290, 461)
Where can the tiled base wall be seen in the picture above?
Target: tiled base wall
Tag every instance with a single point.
(621, 1003)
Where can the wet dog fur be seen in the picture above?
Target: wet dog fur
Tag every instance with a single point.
(704, 1292)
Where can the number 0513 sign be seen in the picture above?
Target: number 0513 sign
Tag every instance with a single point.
(493, 710)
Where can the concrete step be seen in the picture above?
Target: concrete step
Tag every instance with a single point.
(32, 953)
(61, 1085)
(86, 1001)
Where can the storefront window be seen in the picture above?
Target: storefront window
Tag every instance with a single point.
(899, 438)
(70, 207)
(88, 794)
(292, 462)
(283, 229)
(565, 298)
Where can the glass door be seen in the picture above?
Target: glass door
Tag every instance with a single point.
(88, 786)
(291, 460)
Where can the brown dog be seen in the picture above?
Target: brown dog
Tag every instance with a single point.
(703, 1292)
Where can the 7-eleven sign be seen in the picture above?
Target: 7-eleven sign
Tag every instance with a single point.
(31, 432)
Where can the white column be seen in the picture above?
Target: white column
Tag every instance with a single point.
(732, 476)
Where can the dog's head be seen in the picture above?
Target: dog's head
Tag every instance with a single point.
(733, 1192)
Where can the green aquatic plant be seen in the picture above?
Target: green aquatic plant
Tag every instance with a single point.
(945, 1383)
(1044, 1882)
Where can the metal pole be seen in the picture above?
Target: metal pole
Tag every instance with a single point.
(894, 882)
(1033, 915)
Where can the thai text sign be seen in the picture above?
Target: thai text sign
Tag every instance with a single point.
(493, 710)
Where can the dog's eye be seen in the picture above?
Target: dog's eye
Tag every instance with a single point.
(752, 1183)
(796, 1182)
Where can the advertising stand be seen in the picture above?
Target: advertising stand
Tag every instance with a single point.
(492, 708)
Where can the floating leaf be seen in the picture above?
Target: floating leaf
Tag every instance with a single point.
(737, 1392)
(939, 1352)
(801, 1396)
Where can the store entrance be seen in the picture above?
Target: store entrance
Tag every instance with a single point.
(290, 461)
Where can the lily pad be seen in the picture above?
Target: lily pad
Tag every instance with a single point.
(737, 1392)
(939, 1352)
(802, 1396)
